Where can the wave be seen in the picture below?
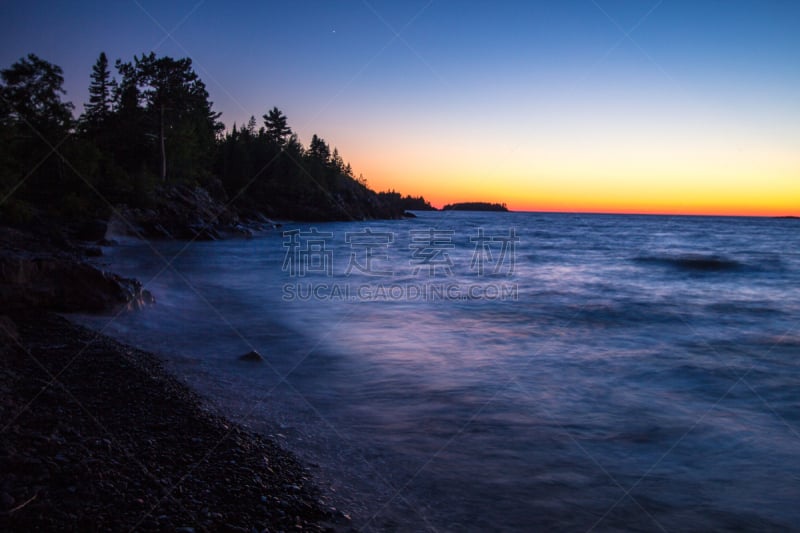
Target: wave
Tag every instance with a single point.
(693, 262)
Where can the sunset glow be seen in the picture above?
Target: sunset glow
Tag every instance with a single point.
(606, 106)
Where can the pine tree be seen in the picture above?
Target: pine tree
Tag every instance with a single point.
(251, 126)
(178, 114)
(319, 150)
(337, 163)
(277, 126)
(97, 111)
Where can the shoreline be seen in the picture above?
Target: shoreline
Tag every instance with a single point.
(117, 442)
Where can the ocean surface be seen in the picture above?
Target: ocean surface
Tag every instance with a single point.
(502, 371)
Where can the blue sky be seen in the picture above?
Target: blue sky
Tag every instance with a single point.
(399, 84)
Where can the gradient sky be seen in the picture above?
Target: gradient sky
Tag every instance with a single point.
(573, 105)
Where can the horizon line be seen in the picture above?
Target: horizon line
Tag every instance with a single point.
(631, 213)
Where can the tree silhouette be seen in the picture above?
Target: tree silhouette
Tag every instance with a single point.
(98, 110)
(277, 126)
(336, 162)
(177, 109)
(319, 150)
(251, 126)
(34, 120)
(153, 119)
(32, 89)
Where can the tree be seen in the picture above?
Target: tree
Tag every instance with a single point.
(97, 111)
(31, 95)
(251, 126)
(43, 165)
(125, 141)
(294, 147)
(277, 126)
(337, 163)
(319, 150)
(126, 92)
(177, 108)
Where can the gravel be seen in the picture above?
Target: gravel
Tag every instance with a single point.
(96, 436)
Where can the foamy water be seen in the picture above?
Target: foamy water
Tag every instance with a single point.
(610, 372)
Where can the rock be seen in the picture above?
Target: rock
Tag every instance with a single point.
(62, 283)
(252, 355)
(93, 251)
(409, 214)
(180, 212)
(91, 230)
(240, 229)
(37, 272)
(8, 330)
(6, 500)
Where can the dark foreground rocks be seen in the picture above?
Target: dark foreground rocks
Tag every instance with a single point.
(97, 437)
(183, 212)
(192, 213)
(37, 273)
(252, 356)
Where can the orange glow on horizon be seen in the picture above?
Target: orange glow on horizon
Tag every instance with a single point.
(635, 209)
(659, 174)
(674, 158)
(723, 191)
(712, 201)
(698, 211)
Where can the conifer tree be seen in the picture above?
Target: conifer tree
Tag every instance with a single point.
(101, 89)
(277, 126)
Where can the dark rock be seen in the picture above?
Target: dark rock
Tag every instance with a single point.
(61, 283)
(36, 271)
(91, 230)
(180, 212)
(8, 330)
(252, 355)
(409, 214)
(6, 500)
(93, 251)
(243, 230)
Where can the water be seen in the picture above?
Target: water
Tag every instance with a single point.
(632, 372)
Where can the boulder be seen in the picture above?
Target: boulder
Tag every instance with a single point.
(252, 356)
(9, 335)
(91, 230)
(61, 283)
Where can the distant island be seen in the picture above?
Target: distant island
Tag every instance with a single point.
(475, 206)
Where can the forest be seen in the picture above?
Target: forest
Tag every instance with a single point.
(149, 127)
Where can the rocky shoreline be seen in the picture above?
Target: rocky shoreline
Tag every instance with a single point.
(98, 437)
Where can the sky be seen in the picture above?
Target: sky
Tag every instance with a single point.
(632, 106)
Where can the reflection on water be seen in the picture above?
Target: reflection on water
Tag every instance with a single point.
(643, 375)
